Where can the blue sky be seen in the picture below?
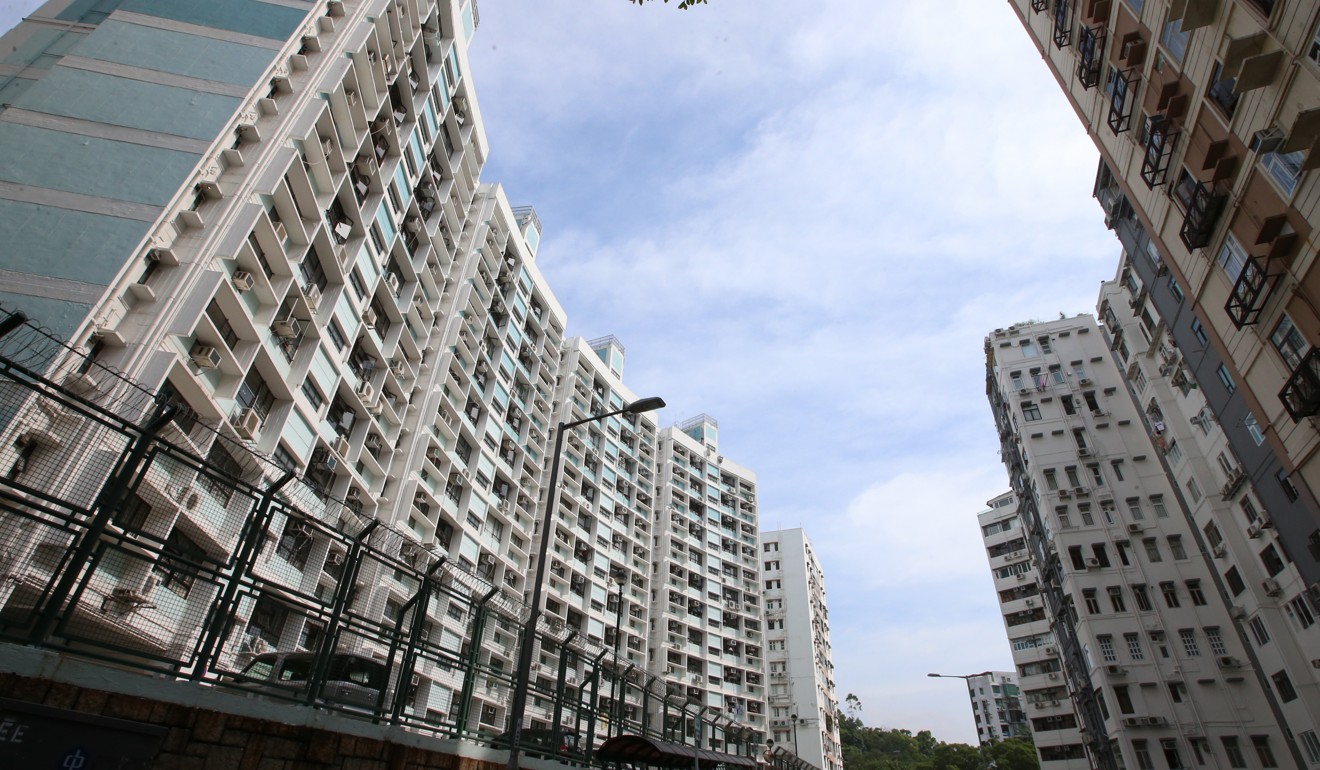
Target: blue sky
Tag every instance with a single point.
(802, 218)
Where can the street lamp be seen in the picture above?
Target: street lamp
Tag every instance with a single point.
(796, 721)
(971, 696)
(616, 690)
(522, 677)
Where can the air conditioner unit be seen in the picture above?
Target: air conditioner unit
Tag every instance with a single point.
(435, 454)
(1083, 452)
(1024, 392)
(1264, 520)
(1154, 720)
(369, 316)
(1134, 527)
(366, 391)
(327, 463)
(1315, 662)
(416, 680)
(247, 423)
(1051, 651)
(205, 356)
(1228, 661)
(312, 294)
(243, 280)
(1218, 551)
(287, 327)
(1081, 491)
(1054, 675)
(1254, 529)
(1267, 140)
(365, 165)
(1116, 670)
(340, 446)
(1134, 721)
(335, 558)
(1271, 587)
(392, 281)
(1238, 613)
(1099, 413)
(1064, 494)
(1084, 381)
(1092, 563)
(413, 223)
(1031, 602)
(1021, 576)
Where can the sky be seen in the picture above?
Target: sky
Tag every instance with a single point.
(802, 218)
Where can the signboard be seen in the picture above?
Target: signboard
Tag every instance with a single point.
(34, 736)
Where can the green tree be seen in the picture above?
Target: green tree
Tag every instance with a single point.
(873, 748)
(1017, 753)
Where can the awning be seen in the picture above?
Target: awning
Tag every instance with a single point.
(648, 751)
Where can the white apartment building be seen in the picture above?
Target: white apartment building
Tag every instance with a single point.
(1274, 614)
(996, 705)
(1149, 656)
(803, 704)
(601, 553)
(1054, 726)
(707, 623)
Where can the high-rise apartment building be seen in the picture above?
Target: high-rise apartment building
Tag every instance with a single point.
(1054, 726)
(1140, 640)
(803, 704)
(708, 640)
(996, 706)
(1207, 119)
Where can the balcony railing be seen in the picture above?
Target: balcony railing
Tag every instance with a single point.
(1203, 210)
(1122, 89)
(1250, 291)
(1161, 140)
(1039, 5)
(1091, 48)
(1301, 395)
(1063, 23)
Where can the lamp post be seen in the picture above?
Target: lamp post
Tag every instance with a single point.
(970, 695)
(522, 677)
(616, 688)
(796, 721)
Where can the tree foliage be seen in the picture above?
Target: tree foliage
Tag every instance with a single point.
(683, 5)
(874, 748)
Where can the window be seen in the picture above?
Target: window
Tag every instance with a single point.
(295, 543)
(1225, 378)
(222, 465)
(1234, 580)
(1169, 745)
(1176, 547)
(1300, 613)
(1142, 752)
(1253, 428)
(1134, 646)
(179, 563)
(1157, 503)
(1285, 168)
(1174, 452)
(336, 335)
(1232, 258)
(1134, 508)
(312, 393)
(1289, 490)
(1152, 547)
(1107, 652)
(1221, 92)
(1092, 603)
(1269, 557)
(1175, 40)
(1188, 637)
(1263, 752)
(1234, 752)
(1117, 466)
(1028, 349)
(1141, 597)
(1310, 743)
(1169, 590)
(1044, 344)
(1195, 592)
(1289, 342)
(1097, 476)
(1030, 412)
(1116, 598)
(1259, 631)
(1194, 489)
(1284, 686)
(1216, 641)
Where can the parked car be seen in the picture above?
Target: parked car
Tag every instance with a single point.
(540, 742)
(351, 679)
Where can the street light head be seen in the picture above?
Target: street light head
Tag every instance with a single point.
(934, 674)
(620, 578)
(649, 404)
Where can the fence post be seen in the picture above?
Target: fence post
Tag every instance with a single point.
(114, 493)
(474, 658)
(343, 592)
(421, 601)
(595, 703)
(564, 652)
(254, 534)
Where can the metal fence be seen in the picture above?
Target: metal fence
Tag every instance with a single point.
(133, 531)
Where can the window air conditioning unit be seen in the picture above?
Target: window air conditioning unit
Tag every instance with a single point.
(312, 294)
(413, 223)
(1092, 563)
(1116, 670)
(369, 316)
(1267, 140)
(366, 391)
(287, 327)
(1253, 531)
(1084, 381)
(1218, 551)
(1051, 651)
(205, 356)
(340, 446)
(247, 423)
(1134, 527)
(243, 280)
(1054, 675)
(365, 165)
(1271, 587)
(392, 281)
(1228, 661)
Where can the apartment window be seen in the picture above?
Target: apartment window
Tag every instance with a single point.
(1259, 631)
(1221, 93)
(1097, 476)
(1300, 613)
(1216, 641)
(1176, 547)
(1092, 603)
(1087, 519)
(1234, 752)
(1134, 508)
(1195, 592)
(1170, 748)
(1193, 489)
(1253, 428)
(179, 563)
(336, 335)
(223, 467)
(1174, 452)
(1142, 752)
(1289, 342)
(1051, 480)
(1289, 490)
(1152, 547)
(1044, 344)
(1225, 378)
(1157, 504)
(1285, 168)
(295, 543)
(1015, 380)
(771, 565)
(1188, 637)
(1232, 259)
(1310, 743)
(312, 393)
(1117, 467)
(1269, 557)
(1079, 437)
(1134, 646)
(359, 286)
(1116, 598)
(1121, 547)
(1030, 412)
(1141, 597)
(1283, 685)
(1107, 652)
(1169, 590)
(1234, 580)
(1174, 40)
(1263, 752)
(1028, 349)
(1197, 329)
